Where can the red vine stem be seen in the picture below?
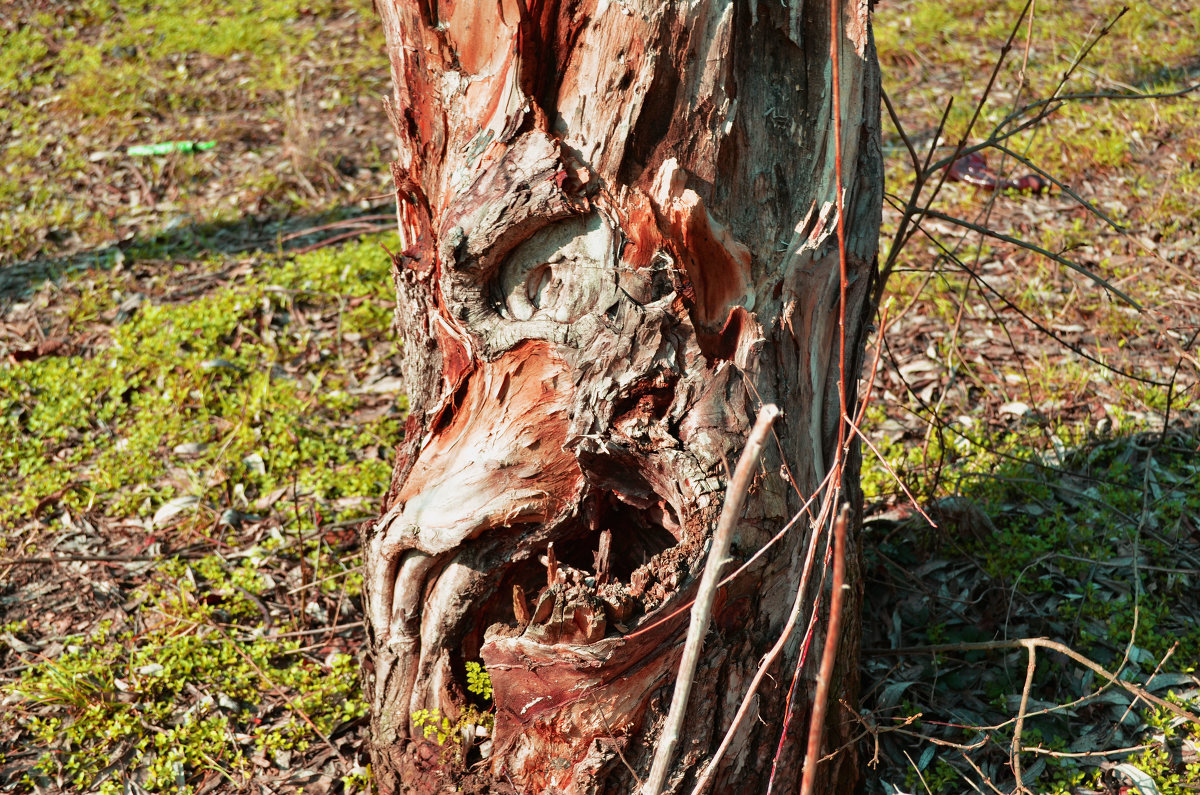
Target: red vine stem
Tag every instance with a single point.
(828, 655)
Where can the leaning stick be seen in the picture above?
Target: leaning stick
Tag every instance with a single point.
(743, 475)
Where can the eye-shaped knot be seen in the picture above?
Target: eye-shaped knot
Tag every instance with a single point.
(561, 273)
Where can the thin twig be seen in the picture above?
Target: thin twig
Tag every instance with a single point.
(982, 776)
(902, 235)
(908, 144)
(918, 770)
(731, 511)
(279, 690)
(1126, 751)
(187, 553)
(1015, 757)
(785, 635)
(322, 581)
(303, 632)
(616, 743)
(1025, 244)
(1044, 329)
(817, 715)
(832, 498)
(362, 220)
(1065, 188)
(749, 562)
(1046, 643)
(338, 238)
(816, 725)
(892, 472)
(1048, 105)
(959, 150)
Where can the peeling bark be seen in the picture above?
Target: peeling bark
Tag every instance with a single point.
(619, 228)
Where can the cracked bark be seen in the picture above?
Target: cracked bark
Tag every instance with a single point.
(619, 239)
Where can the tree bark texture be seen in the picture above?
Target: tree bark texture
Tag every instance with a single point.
(619, 239)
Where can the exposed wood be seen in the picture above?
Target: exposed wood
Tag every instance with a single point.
(619, 239)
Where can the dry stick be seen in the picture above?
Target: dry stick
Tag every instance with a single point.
(1126, 751)
(1150, 679)
(816, 725)
(1048, 106)
(187, 553)
(833, 498)
(768, 660)
(1015, 757)
(337, 238)
(702, 610)
(920, 213)
(986, 288)
(918, 771)
(361, 220)
(982, 776)
(856, 423)
(303, 632)
(279, 691)
(1182, 350)
(909, 210)
(854, 426)
(616, 745)
(745, 566)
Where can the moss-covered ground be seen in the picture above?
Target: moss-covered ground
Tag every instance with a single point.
(186, 462)
(198, 398)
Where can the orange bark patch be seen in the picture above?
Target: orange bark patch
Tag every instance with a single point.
(496, 457)
(641, 228)
(478, 29)
(456, 358)
(559, 699)
(717, 265)
(736, 334)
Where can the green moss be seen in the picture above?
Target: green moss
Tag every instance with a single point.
(262, 404)
(123, 691)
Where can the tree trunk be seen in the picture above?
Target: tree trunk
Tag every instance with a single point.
(619, 221)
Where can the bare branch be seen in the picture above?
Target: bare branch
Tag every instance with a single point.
(743, 476)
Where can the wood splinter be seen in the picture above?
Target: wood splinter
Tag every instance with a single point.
(551, 561)
(602, 557)
(520, 606)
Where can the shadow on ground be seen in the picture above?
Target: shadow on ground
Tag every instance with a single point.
(195, 241)
(1096, 549)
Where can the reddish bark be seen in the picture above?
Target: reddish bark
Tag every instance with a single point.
(619, 227)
